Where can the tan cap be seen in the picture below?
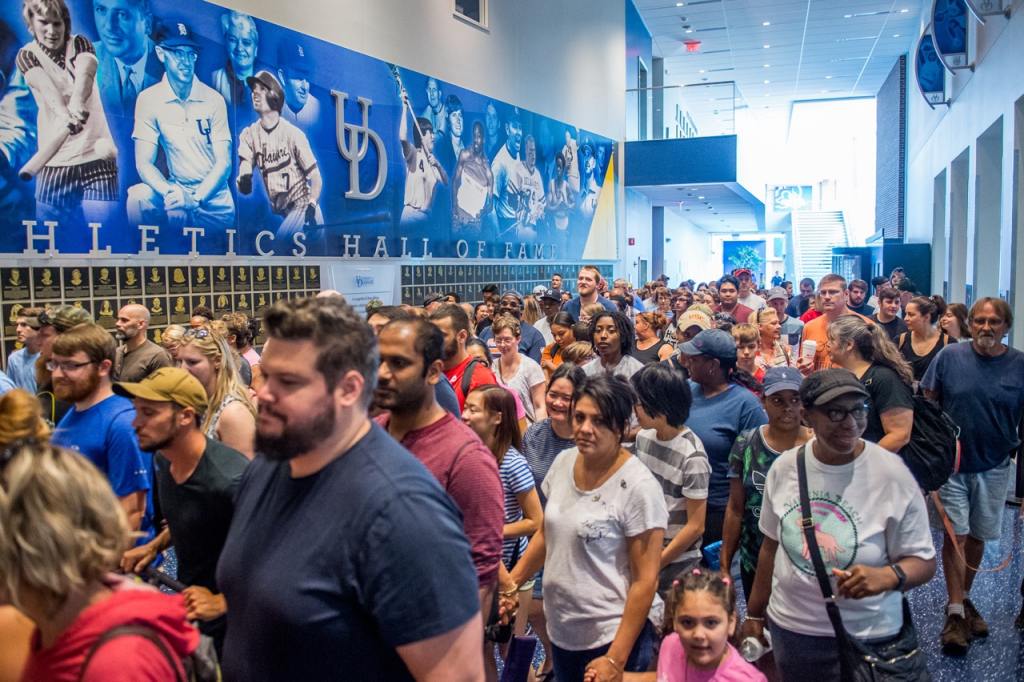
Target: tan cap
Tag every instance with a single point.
(167, 385)
(693, 318)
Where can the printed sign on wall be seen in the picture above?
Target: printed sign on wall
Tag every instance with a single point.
(186, 128)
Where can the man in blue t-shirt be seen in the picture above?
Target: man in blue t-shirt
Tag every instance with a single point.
(345, 557)
(99, 425)
(531, 341)
(588, 282)
(981, 386)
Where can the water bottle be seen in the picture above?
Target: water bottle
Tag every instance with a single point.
(810, 347)
(752, 648)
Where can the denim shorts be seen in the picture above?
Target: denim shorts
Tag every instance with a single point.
(538, 585)
(975, 502)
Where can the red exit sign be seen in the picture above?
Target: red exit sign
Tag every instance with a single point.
(632, 241)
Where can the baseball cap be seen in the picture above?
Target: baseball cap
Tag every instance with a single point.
(712, 342)
(270, 82)
(742, 271)
(776, 293)
(693, 318)
(512, 292)
(64, 317)
(552, 294)
(292, 56)
(432, 298)
(539, 289)
(166, 385)
(176, 34)
(782, 379)
(828, 384)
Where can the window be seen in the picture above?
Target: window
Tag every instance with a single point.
(473, 11)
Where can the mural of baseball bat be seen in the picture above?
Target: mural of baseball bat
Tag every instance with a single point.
(43, 155)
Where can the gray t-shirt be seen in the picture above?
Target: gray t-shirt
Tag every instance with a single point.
(138, 364)
(527, 375)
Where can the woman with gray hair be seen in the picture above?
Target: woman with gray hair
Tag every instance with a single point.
(61, 532)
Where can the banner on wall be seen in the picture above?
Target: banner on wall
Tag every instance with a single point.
(203, 131)
(929, 72)
(791, 197)
(949, 32)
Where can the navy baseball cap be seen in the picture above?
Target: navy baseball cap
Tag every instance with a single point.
(292, 57)
(782, 379)
(552, 294)
(826, 385)
(176, 34)
(711, 342)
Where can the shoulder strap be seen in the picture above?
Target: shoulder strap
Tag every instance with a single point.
(467, 377)
(902, 340)
(807, 524)
(132, 630)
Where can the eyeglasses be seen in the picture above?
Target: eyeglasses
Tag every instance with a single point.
(200, 333)
(67, 367)
(858, 412)
(182, 53)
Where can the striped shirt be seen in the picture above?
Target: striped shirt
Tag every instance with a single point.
(516, 479)
(540, 446)
(682, 469)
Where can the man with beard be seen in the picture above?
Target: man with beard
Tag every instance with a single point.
(858, 294)
(344, 555)
(410, 365)
(464, 371)
(137, 357)
(587, 282)
(473, 185)
(99, 424)
(979, 385)
(53, 322)
(196, 479)
(531, 341)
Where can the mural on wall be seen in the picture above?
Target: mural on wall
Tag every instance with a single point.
(744, 254)
(192, 129)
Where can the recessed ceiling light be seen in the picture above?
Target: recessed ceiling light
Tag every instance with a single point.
(828, 78)
(767, 66)
(824, 91)
(766, 46)
(689, 30)
(700, 71)
(904, 10)
(679, 4)
(767, 82)
(895, 35)
(847, 16)
(700, 198)
(766, 23)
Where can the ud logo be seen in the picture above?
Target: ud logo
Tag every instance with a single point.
(353, 151)
(182, 30)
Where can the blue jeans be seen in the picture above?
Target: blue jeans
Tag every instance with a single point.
(570, 665)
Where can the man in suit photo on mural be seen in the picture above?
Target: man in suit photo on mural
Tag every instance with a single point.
(284, 158)
(75, 169)
(188, 120)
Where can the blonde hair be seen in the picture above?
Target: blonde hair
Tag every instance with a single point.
(745, 333)
(531, 310)
(173, 336)
(656, 320)
(21, 417)
(228, 382)
(61, 527)
(578, 352)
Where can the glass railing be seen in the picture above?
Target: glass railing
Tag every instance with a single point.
(682, 111)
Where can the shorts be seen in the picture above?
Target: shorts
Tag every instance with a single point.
(65, 186)
(538, 585)
(975, 502)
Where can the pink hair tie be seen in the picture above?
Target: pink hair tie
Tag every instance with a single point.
(675, 583)
(727, 580)
(696, 571)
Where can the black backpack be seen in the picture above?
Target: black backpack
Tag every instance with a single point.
(933, 452)
(467, 376)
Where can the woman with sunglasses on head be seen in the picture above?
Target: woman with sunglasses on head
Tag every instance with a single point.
(231, 417)
(61, 531)
(562, 331)
(600, 543)
(864, 348)
(542, 443)
(869, 527)
(649, 347)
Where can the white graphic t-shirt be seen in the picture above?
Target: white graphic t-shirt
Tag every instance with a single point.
(869, 512)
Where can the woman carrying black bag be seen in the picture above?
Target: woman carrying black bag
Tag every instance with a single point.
(861, 525)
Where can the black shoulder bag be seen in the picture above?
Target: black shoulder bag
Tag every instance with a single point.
(897, 660)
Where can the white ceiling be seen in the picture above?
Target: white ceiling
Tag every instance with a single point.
(712, 207)
(819, 49)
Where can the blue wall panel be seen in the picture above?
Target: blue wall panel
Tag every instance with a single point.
(676, 162)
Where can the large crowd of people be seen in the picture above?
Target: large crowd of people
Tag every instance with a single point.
(663, 483)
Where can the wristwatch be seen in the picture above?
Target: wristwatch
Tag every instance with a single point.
(901, 576)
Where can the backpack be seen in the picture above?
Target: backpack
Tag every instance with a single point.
(933, 452)
(199, 666)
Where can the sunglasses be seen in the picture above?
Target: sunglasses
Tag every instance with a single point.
(200, 333)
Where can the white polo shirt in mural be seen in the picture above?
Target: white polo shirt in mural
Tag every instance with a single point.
(187, 130)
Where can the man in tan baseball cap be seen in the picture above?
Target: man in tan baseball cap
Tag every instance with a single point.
(195, 481)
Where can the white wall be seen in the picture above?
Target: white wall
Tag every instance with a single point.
(686, 256)
(638, 226)
(937, 137)
(563, 59)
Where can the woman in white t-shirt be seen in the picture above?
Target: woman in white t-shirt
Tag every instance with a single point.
(870, 524)
(516, 371)
(600, 544)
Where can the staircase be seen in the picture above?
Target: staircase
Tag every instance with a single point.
(814, 235)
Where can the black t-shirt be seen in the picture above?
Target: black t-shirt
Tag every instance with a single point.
(887, 392)
(893, 327)
(325, 575)
(199, 511)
